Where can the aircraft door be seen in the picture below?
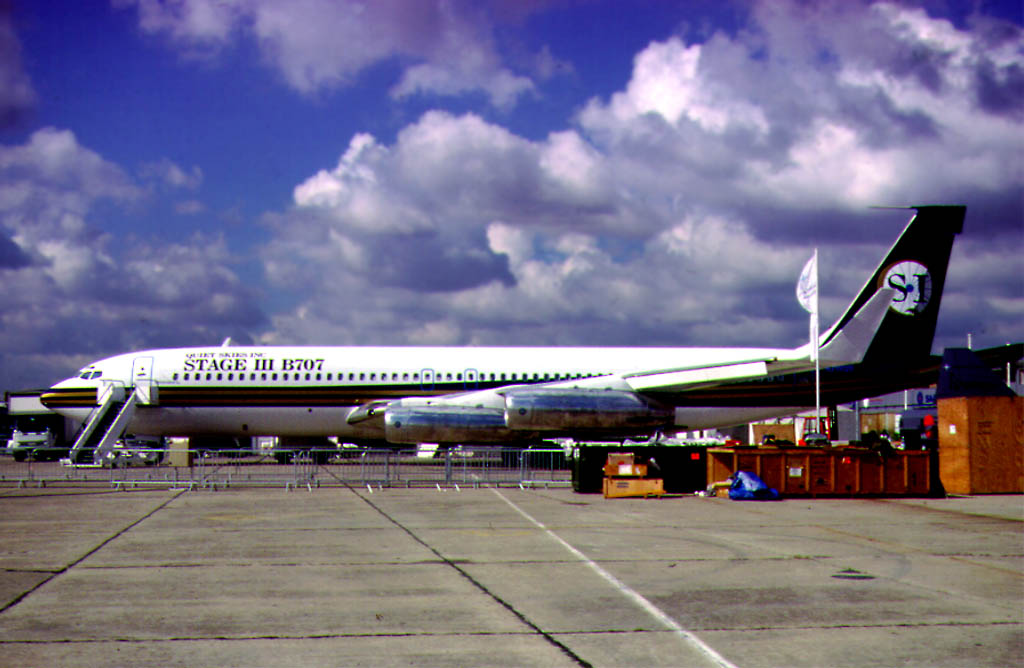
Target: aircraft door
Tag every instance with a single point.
(427, 379)
(142, 379)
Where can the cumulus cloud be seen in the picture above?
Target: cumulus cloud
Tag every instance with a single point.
(72, 291)
(50, 182)
(449, 45)
(680, 209)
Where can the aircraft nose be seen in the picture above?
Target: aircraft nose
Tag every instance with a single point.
(68, 392)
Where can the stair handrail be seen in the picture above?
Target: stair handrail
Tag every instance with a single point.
(113, 391)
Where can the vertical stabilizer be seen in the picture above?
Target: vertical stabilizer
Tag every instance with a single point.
(915, 269)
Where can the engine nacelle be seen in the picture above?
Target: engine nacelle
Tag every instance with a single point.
(445, 424)
(574, 408)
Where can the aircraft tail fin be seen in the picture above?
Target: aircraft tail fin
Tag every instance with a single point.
(915, 270)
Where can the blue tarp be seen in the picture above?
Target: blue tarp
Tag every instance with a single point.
(746, 486)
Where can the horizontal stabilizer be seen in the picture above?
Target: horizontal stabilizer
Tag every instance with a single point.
(851, 343)
(696, 377)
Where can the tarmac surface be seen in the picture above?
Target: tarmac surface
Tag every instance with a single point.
(505, 577)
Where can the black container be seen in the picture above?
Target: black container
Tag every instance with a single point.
(683, 468)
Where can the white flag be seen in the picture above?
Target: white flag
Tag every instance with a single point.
(807, 287)
(807, 294)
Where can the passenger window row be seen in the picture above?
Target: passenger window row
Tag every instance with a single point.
(373, 376)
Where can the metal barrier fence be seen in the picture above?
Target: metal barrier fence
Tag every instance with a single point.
(308, 469)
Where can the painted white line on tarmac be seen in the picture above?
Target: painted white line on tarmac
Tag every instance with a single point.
(688, 637)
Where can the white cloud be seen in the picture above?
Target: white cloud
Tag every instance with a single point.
(324, 44)
(51, 181)
(678, 211)
(72, 290)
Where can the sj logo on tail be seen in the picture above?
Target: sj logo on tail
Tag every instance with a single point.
(913, 286)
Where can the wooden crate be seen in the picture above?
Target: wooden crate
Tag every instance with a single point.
(878, 422)
(782, 432)
(616, 488)
(981, 445)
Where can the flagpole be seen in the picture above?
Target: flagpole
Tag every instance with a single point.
(807, 295)
(817, 361)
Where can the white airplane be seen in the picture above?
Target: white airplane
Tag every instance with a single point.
(479, 395)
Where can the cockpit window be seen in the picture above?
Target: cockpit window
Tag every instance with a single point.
(96, 374)
(89, 374)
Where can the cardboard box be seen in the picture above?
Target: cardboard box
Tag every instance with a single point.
(624, 464)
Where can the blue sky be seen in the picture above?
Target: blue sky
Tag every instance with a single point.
(502, 172)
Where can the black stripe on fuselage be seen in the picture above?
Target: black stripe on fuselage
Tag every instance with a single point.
(264, 395)
(69, 397)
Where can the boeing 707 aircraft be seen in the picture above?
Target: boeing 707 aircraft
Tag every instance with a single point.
(518, 395)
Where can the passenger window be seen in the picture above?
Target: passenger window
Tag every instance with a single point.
(362, 376)
(307, 376)
(231, 376)
(263, 376)
(273, 376)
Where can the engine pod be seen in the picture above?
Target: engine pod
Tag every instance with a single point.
(585, 409)
(445, 424)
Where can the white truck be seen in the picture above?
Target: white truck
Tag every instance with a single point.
(38, 445)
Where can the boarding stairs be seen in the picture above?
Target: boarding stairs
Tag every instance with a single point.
(105, 424)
